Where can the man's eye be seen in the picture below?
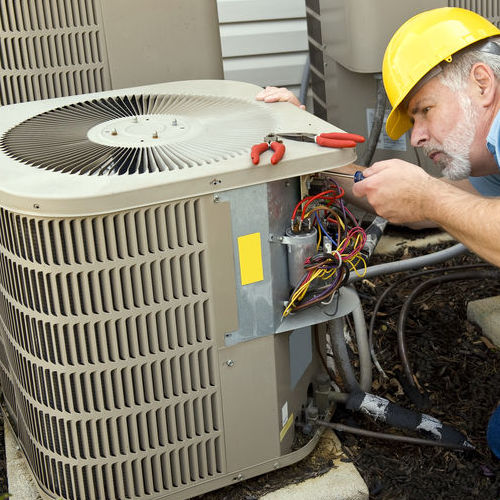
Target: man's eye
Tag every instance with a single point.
(426, 110)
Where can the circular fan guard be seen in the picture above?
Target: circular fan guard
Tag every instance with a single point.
(137, 134)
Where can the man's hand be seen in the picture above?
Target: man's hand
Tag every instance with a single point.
(278, 94)
(399, 191)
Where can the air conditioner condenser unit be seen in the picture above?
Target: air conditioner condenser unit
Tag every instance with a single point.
(142, 284)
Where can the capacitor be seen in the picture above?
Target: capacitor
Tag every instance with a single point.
(300, 246)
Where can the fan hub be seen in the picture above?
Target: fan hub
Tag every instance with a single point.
(142, 130)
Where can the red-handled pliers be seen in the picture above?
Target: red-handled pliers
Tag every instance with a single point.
(327, 140)
(271, 142)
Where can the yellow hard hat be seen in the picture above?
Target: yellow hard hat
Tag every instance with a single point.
(420, 44)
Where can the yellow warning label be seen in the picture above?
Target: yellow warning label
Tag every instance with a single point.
(286, 427)
(250, 253)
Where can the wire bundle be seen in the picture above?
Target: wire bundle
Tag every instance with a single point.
(340, 241)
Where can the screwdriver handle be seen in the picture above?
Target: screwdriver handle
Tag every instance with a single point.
(358, 176)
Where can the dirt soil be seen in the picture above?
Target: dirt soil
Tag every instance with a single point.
(452, 362)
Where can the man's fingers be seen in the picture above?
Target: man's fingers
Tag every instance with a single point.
(278, 94)
(377, 167)
(269, 91)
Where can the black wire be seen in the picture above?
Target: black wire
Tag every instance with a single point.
(378, 120)
(399, 282)
(466, 275)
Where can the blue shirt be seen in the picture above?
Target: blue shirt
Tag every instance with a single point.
(489, 185)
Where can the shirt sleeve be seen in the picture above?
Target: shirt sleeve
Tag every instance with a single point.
(487, 185)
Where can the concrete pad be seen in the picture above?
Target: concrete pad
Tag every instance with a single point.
(391, 244)
(342, 482)
(22, 484)
(486, 314)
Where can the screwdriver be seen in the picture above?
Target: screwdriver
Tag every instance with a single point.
(358, 175)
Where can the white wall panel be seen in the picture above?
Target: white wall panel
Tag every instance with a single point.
(264, 41)
(282, 70)
(264, 37)
(234, 11)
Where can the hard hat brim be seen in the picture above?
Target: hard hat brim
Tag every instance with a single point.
(398, 122)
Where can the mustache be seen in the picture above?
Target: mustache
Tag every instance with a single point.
(429, 148)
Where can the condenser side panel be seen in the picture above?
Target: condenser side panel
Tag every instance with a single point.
(111, 358)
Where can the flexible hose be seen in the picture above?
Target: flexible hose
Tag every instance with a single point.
(466, 275)
(341, 356)
(365, 365)
(400, 266)
(373, 234)
(376, 229)
(378, 121)
(390, 437)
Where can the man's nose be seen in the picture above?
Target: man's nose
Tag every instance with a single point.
(419, 135)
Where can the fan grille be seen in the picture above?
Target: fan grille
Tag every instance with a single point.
(138, 134)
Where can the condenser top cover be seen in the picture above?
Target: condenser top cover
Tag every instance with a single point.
(115, 150)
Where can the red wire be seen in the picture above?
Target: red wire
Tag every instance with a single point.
(309, 199)
(320, 195)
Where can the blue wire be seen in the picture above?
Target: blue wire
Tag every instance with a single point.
(324, 232)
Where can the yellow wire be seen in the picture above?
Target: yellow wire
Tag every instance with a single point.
(302, 290)
(324, 274)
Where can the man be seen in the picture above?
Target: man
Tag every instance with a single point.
(452, 127)
(441, 73)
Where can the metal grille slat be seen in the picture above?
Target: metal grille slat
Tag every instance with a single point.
(44, 39)
(109, 325)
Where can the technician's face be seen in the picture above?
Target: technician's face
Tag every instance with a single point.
(444, 126)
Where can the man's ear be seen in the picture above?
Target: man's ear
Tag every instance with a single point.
(483, 83)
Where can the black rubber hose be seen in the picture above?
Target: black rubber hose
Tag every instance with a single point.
(373, 234)
(375, 230)
(378, 121)
(466, 275)
(382, 410)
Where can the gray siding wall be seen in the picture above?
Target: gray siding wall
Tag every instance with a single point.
(264, 41)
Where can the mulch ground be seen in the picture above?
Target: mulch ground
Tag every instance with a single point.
(453, 363)
(456, 366)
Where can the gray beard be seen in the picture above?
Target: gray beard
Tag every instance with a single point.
(456, 164)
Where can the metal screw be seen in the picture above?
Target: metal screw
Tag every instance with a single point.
(36, 205)
(216, 198)
(174, 123)
(230, 363)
